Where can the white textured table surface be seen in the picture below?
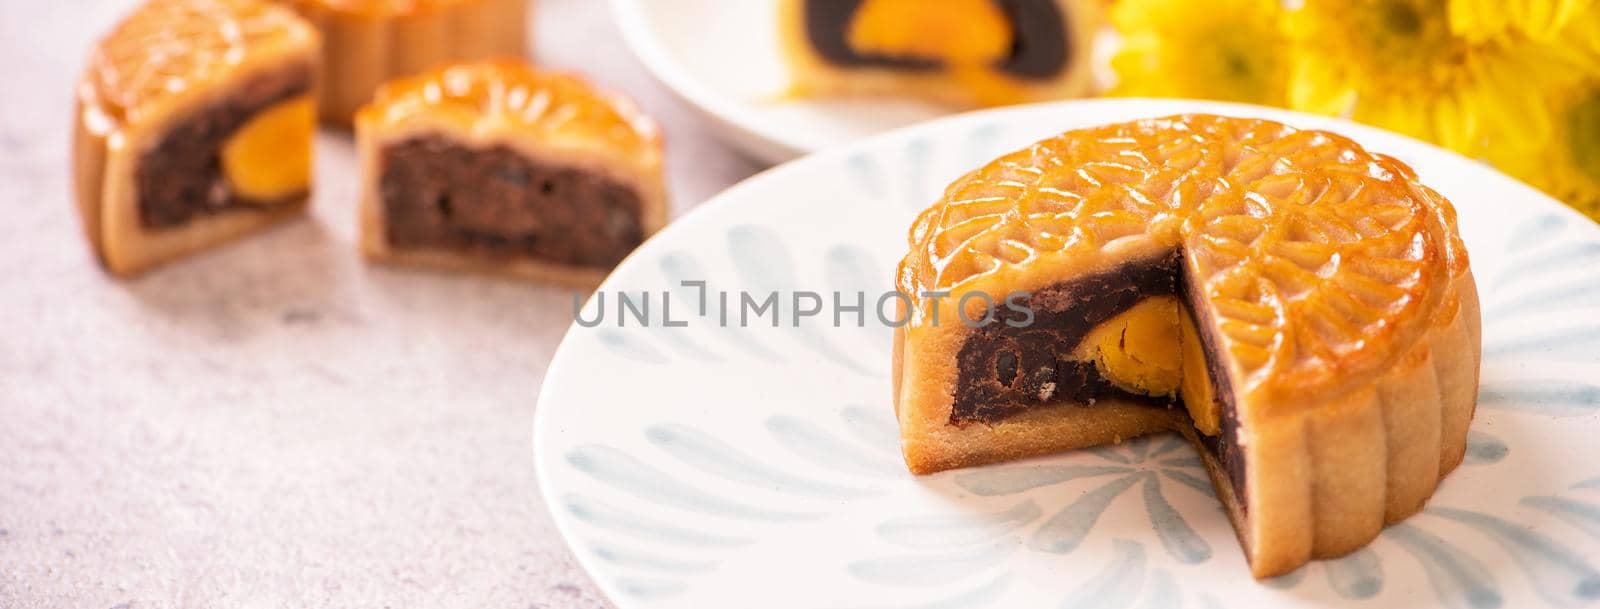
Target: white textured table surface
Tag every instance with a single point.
(275, 424)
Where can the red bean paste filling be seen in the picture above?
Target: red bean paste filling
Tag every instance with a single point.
(1039, 47)
(497, 203)
(180, 176)
(1005, 370)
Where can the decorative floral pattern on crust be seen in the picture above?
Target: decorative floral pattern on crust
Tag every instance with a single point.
(489, 95)
(169, 46)
(1318, 258)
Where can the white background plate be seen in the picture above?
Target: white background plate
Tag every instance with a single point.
(724, 59)
(758, 467)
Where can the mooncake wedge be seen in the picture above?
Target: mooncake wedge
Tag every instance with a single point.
(1301, 309)
(499, 167)
(194, 126)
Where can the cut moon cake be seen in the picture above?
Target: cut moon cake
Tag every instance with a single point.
(1301, 309)
(194, 126)
(960, 52)
(372, 41)
(496, 166)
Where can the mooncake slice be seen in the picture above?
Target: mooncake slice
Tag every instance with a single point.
(194, 126)
(496, 166)
(1300, 308)
(372, 41)
(960, 52)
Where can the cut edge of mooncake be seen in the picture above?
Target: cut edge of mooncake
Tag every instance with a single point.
(595, 158)
(145, 194)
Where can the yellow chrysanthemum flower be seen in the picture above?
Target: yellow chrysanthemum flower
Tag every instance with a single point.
(1230, 50)
(1581, 38)
(1397, 64)
(1537, 19)
(1568, 165)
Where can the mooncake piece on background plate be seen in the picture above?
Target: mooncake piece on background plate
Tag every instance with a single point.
(966, 53)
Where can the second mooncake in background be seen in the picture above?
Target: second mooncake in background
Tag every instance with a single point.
(496, 166)
(372, 41)
(960, 52)
(194, 126)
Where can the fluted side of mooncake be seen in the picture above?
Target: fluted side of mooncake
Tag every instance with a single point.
(1333, 287)
(372, 41)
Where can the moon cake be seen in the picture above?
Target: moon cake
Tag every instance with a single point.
(496, 166)
(372, 41)
(1301, 309)
(960, 52)
(194, 126)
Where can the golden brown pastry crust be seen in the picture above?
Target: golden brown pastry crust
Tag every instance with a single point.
(372, 41)
(550, 118)
(1336, 286)
(811, 75)
(168, 59)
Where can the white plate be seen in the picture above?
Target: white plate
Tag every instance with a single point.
(705, 466)
(723, 58)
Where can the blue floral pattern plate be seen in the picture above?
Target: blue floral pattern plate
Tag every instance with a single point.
(717, 431)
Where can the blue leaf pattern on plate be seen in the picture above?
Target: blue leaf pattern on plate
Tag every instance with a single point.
(1202, 485)
(1564, 257)
(1559, 297)
(633, 476)
(657, 309)
(678, 267)
(1483, 448)
(917, 192)
(1287, 580)
(933, 569)
(1064, 531)
(851, 271)
(1459, 580)
(810, 441)
(631, 347)
(1581, 344)
(1551, 397)
(618, 520)
(1559, 574)
(1176, 535)
(872, 428)
(650, 589)
(982, 145)
(764, 267)
(1190, 461)
(708, 454)
(982, 596)
(867, 174)
(1535, 231)
(1115, 586)
(956, 529)
(630, 559)
(1581, 515)
(1164, 593)
(993, 481)
(1356, 576)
